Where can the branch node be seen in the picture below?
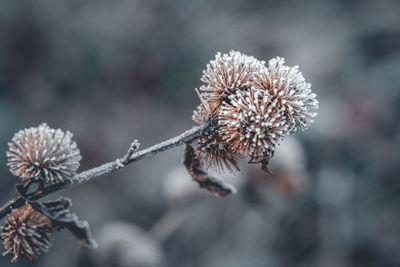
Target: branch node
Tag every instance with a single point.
(128, 156)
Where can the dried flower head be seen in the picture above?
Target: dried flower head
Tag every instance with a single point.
(44, 154)
(26, 233)
(288, 87)
(254, 106)
(252, 124)
(227, 74)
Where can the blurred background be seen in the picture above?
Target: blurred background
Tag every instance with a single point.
(114, 71)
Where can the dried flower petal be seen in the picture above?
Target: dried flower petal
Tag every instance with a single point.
(44, 154)
(26, 233)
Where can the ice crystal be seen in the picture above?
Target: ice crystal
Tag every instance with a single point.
(43, 153)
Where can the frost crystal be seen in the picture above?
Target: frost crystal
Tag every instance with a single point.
(43, 153)
(26, 233)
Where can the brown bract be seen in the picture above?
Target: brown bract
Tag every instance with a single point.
(211, 147)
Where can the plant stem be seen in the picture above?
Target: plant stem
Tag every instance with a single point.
(129, 157)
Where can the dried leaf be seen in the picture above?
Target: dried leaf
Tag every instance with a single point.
(193, 164)
(58, 211)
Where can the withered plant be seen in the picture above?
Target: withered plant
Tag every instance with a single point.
(246, 109)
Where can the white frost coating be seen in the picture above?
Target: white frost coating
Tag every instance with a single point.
(250, 127)
(287, 86)
(228, 73)
(43, 153)
(115, 165)
(257, 104)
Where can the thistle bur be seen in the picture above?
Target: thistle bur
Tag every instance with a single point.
(252, 124)
(26, 233)
(227, 74)
(254, 106)
(293, 94)
(44, 154)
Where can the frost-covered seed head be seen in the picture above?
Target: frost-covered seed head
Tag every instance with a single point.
(254, 105)
(227, 74)
(224, 75)
(252, 124)
(43, 153)
(26, 232)
(288, 87)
